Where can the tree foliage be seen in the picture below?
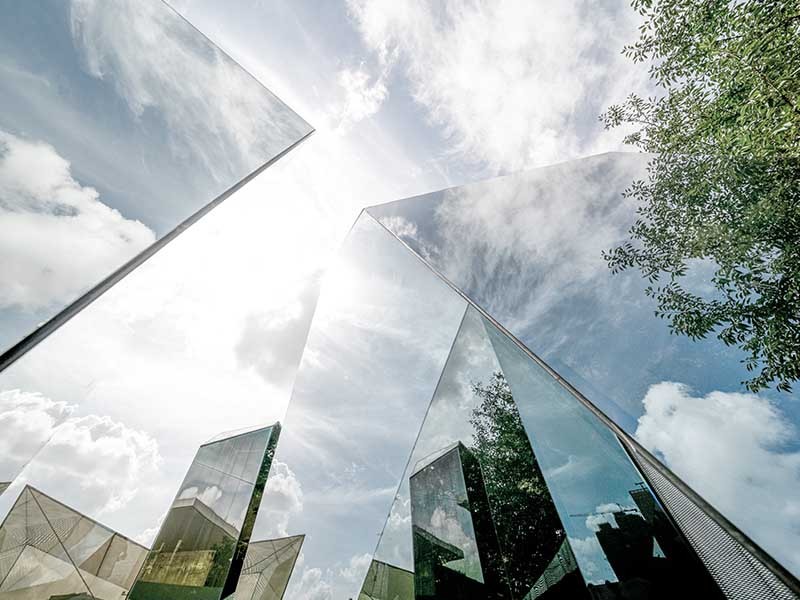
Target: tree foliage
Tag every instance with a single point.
(722, 193)
(524, 516)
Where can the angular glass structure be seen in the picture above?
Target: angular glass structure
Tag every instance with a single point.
(528, 250)
(110, 146)
(268, 565)
(516, 485)
(49, 550)
(200, 549)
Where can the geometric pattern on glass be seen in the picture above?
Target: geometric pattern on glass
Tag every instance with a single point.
(740, 575)
(48, 549)
(267, 568)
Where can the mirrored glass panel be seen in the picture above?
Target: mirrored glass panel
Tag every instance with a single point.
(473, 517)
(528, 248)
(380, 338)
(189, 344)
(201, 545)
(109, 140)
(622, 539)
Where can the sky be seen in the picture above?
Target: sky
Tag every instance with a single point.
(405, 98)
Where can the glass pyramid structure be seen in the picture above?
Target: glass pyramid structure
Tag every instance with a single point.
(49, 550)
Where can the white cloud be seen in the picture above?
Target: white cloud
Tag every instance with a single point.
(312, 585)
(272, 341)
(514, 82)
(56, 236)
(97, 459)
(27, 421)
(187, 80)
(362, 97)
(356, 569)
(730, 447)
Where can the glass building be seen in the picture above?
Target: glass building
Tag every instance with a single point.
(200, 549)
(51, 551)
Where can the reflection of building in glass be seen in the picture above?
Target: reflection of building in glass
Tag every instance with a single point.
(387, 582)
(200, 549)
(456, 552)
(267, 568)
(49, 550)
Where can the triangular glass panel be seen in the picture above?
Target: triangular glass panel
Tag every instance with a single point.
(267, 568)
(473, 517)
(623, 541)
(43, 568)
(131, 148)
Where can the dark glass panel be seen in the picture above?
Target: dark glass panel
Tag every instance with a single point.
(473, 516)
(624, 544)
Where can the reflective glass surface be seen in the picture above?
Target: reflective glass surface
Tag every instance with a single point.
(528, 248)
(472, 517)
(107, 413)
(201, 545)
(624, 543)
(267, 568)
(379, 340)
(48, 549)
(108, 141)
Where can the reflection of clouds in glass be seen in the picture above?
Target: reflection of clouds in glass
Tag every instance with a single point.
(592, 559)
(188, 80)
(208, 496)
(272, 342)
(56, 236)
(380, 336)
(731, 448)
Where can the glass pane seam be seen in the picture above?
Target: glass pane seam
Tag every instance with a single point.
(419, 431)
(31, 340)
(729, 527)
(77, 570)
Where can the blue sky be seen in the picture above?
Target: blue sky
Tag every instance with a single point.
(405, 99)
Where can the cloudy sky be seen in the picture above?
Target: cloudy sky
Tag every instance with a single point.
(405, 98)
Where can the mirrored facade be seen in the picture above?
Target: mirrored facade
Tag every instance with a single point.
(528, 249)
(378, 342)
(268, 565)
(201, 546)
(479, 514)
(49, 550)
(108, 142)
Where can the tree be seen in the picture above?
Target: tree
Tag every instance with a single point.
(722, 192)
(525, 518)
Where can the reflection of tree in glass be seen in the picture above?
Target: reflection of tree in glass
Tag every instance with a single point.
(223, 552)
(528, 527)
